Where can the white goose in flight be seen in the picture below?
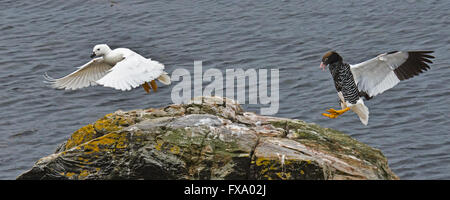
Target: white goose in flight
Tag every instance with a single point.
(121, 69)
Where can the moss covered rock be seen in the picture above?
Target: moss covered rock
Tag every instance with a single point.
(209, 138)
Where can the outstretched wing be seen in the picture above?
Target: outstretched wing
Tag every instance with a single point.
(85, 76)
(383, 72)
(133, 71)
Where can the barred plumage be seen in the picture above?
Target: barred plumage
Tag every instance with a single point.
(370, 78)
(344, 82)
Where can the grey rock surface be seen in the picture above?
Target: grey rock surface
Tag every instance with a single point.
(209, 138)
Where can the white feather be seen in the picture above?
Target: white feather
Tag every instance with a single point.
(121, 69)
(84, 76)
(131, 72)
(164, 78)
(377, 75)
(361, 110)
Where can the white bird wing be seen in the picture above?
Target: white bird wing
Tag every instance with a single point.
(131, 72)
(85, 76)
(383, 72)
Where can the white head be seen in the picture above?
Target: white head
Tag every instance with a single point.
(100, 50)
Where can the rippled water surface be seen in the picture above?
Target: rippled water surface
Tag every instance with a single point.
(409, 123)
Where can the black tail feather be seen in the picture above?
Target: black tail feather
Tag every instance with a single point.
(365, 95)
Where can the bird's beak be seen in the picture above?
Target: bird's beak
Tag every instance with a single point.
(93, 55)
(322, 66)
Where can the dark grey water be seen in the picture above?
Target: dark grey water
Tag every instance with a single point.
(409, 123)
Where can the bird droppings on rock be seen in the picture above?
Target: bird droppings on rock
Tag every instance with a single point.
(213, 139)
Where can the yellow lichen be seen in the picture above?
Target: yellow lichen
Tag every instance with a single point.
(81, 136)
(84, 160)
(158, 145)
(121, 144)
(262, 161)
(175, 150)
(108, 142)
(74, 175)
(109, 115)
(69, 174)
(283, 175)
(264, 170)
(109, 123)
(106, 125)
(84, 173)
(112, 122)
(267, 166)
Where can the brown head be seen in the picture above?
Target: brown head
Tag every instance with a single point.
(330, 58)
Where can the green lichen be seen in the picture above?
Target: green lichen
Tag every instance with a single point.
(330, 140)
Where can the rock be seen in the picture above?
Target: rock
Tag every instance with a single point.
(209, 138)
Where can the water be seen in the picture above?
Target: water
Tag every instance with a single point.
(409, 123)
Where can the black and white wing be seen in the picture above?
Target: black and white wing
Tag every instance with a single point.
(383, 72)
(85, 76)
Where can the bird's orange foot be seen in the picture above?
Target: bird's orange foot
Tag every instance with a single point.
(331, 116)
(335, 113)
(338, 112)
